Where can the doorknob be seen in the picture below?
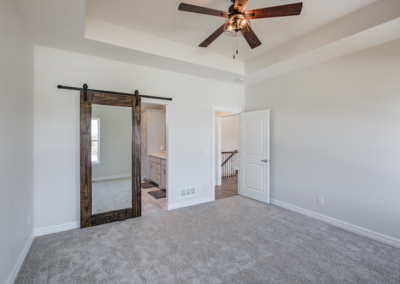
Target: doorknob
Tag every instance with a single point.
(265, 161)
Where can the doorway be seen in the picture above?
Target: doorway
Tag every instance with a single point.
(154, 158)
(247, 173)
(225, 152)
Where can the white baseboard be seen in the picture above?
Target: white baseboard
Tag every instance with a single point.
(189, 203)
(57, 228)
(347, 226)
(111, 177)
(20, 261)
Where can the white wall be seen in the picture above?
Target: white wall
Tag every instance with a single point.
(335, 133)
(230, 133)
(57, 123)
(115, 141)
(16, 139)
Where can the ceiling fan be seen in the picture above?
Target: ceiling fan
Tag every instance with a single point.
(238, 19)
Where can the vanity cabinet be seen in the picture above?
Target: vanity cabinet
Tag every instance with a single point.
(158, 170)
(164, 177)
(153, 171)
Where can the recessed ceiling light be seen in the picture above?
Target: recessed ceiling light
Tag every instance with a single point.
(240, 79)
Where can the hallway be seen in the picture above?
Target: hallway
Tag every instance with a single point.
(228, 188)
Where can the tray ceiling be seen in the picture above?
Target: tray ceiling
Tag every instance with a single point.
(162, 19)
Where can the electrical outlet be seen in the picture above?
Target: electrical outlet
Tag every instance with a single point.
(320, 200)
(29, 220)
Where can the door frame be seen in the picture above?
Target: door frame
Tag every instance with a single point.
(213, 142)
(167, 140)
(88, 219)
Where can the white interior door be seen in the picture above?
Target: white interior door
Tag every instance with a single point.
(254, 155)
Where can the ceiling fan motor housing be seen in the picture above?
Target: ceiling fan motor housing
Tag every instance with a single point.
(237, 24)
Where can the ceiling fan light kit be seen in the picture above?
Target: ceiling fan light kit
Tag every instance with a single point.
(238, 23)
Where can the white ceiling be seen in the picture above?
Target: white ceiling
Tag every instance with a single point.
(288, 43)
(162, 19)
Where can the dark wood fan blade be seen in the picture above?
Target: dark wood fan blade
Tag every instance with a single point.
(240, 5)
(214, 36)
(251, 38)
(202, 10)
(277, 11)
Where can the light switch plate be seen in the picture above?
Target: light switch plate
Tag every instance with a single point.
(207, 151)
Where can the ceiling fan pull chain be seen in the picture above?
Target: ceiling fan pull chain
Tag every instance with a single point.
(237, 46)
(234, 50)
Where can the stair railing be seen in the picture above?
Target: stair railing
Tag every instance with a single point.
(230, 165)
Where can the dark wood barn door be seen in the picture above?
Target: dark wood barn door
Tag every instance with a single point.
(87, 218)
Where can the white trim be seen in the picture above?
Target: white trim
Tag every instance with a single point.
(214, 109)
(189, 203)
(111, 177)
(57, 228)
(347, 226)
(20, 261)
(218, 151)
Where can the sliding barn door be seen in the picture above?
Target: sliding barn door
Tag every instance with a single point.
(88, 216)
(254, 155)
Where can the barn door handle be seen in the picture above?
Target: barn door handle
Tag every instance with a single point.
(265, 161)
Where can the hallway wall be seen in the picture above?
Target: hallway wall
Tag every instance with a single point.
(230, 133)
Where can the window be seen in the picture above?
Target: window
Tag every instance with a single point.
(95, 140)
